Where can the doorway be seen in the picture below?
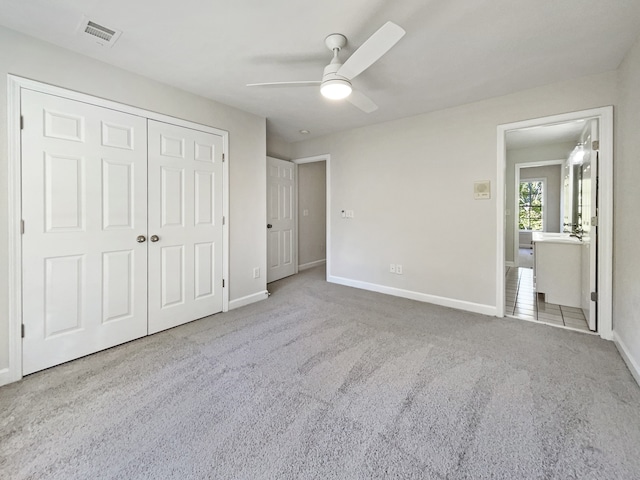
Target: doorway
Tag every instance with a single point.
(571, 234)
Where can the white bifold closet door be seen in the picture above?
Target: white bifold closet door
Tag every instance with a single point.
(123, 228)
(84, 203)
(185, 214)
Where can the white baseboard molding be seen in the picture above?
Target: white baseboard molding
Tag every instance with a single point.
(308, 265)
(634, 368)
(421, 297)
(528, 246)
(7, 376)
(249, 299)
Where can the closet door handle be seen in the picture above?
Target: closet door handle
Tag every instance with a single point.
(141, 239)
(154, 238)
(269, 225)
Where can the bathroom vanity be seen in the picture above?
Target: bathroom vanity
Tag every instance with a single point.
(557, 269)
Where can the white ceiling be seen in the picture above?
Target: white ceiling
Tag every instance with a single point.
(455, 51)
(544, 135)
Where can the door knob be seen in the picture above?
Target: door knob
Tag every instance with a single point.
(269, 225)
(154, 238)
(141, 239)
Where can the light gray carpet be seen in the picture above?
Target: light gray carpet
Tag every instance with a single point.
(323, 381)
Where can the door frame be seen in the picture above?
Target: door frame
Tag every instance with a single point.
(605, 208)
(327, 159)
(516, 205)
(15, 84)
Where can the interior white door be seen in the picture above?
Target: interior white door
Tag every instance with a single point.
(84, 203)
(281, 218)
(588, 203)
(185, 225)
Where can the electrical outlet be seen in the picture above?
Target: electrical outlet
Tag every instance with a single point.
(392, 268)
(256, 272)
(349, 213)
(305, 213)
(399, 269)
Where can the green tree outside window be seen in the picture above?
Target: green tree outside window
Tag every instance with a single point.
(530, 211)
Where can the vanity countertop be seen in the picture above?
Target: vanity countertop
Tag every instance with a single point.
(547, 237)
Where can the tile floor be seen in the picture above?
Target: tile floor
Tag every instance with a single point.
(521, 301)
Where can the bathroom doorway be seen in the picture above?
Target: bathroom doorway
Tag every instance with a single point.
(556, 224)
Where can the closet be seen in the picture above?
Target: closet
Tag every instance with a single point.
(122, 230)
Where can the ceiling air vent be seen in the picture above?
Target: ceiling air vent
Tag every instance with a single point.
(97, 33)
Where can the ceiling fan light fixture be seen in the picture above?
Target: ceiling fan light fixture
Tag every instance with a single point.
(336, 89)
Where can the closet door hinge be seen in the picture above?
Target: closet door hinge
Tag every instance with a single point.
(594, 296)
(21, 122)
(223, 157)
(22, 227)
(223, 220)
(594, 221)
(22, 330)
(595, 145)
(223, 283)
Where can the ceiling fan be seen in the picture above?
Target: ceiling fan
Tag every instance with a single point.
(336, 80)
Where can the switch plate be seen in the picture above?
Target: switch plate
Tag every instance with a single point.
(256, 272)
(392, 268)
(399, 269)
(305, 213)
(349, 213)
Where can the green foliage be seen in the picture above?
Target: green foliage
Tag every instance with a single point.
(530, 210)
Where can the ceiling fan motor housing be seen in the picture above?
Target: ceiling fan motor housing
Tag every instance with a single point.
(334, 86)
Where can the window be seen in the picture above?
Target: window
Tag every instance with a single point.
(530, 211)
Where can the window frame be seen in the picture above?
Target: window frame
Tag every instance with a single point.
(543, 181)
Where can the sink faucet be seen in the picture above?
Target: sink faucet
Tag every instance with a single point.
(578, 232)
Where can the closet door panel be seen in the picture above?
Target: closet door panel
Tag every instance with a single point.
(84, 203)
(185, 215)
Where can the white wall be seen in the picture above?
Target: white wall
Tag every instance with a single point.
(278, 148)
(626, 267)
(312, 197)
(31, 58)
(410, 184)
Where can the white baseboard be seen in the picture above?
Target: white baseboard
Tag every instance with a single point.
(421, 297)
(7, 376)
(306, 266)
(249, 299)
(634, 368)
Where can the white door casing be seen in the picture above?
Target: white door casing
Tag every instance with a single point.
(84, 202)
(281, 218)
(185, 213)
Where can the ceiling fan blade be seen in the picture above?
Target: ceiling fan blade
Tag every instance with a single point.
(370, 51)
(361, 101)
(309, 83)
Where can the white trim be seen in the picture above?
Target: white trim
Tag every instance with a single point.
(316, 158)
(327, 159)
(548, 324)
(225, 226)
(13, 371)
(308, 265)
(509, 264)
(14, 86)
(421, 297)
(605, 213)
(248, 300)
(633, 366)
